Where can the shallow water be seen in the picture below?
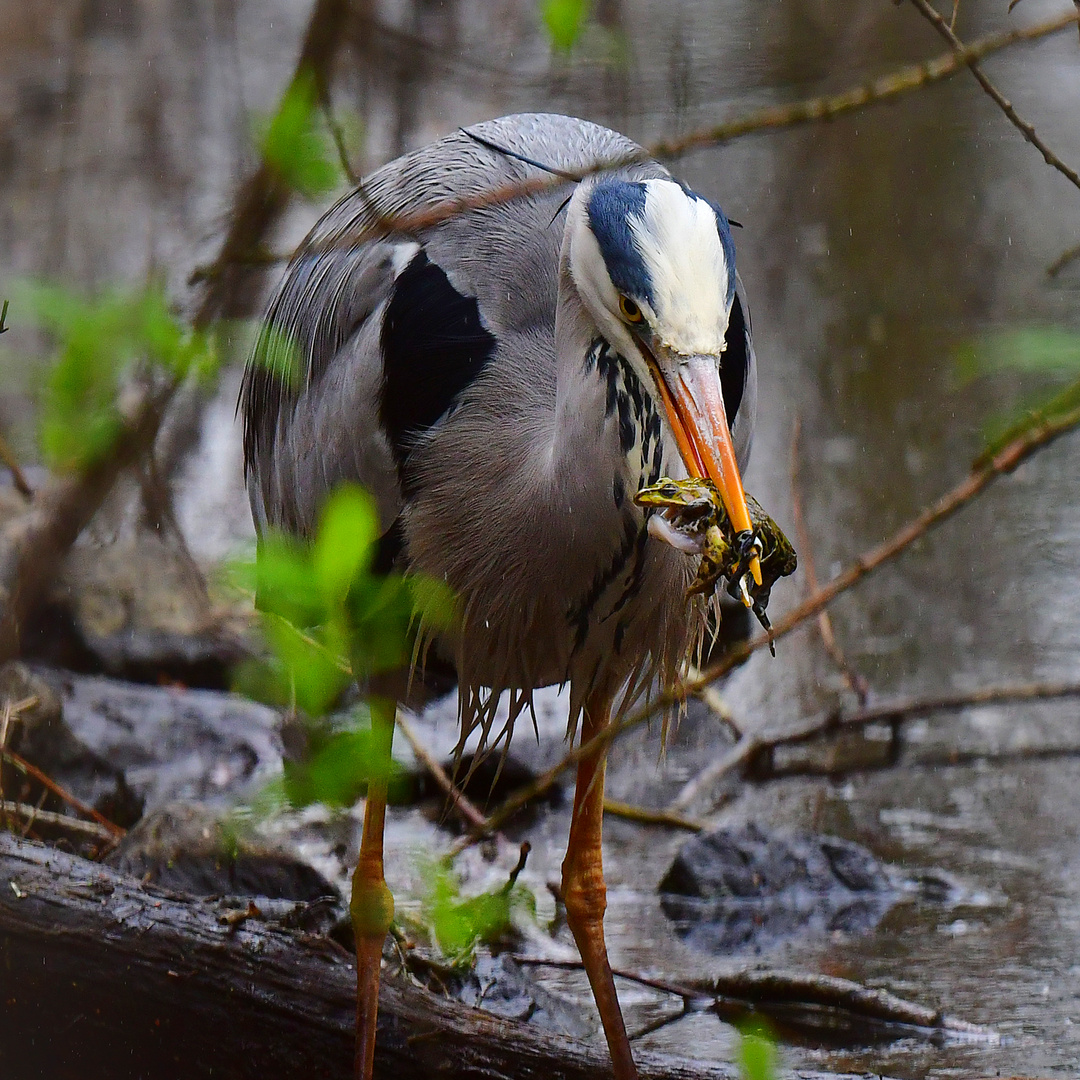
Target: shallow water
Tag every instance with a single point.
(872, 247)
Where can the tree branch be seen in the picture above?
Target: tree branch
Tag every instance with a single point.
(1005, 461)
(1023, 126)
(903, 81)
(262, 197)
(763, 989)
(60, 512)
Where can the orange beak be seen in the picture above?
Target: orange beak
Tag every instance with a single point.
(695, 411)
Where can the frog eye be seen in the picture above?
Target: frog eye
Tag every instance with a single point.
(669, 491)
(629, 310)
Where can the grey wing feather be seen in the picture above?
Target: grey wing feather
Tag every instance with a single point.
(311, 392)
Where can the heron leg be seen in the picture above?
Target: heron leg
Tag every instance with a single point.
(584, 891)
(372, 905)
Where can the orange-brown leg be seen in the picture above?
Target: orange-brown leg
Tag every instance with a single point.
(584, 892)
(372, 905)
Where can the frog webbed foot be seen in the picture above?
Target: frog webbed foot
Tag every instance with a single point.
(689, 515)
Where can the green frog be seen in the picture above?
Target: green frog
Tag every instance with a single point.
(691, 516)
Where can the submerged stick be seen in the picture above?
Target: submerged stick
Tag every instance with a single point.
(764, 988)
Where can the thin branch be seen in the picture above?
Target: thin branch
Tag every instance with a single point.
(759, 751)
(1005, 461)
(903, 81)
(785, 988)
(75, 803)
(1023, 126)
(1063, 260)
(908, 707)
(645, 815)
(856, 683)
(462, 805)
(8, 458)
(337, 134)
(62, 510)
(263, 196)
(32, 815)
(711, 697)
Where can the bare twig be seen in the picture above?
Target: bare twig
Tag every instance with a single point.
(258, 203)
(59, 514)
(90, 830)
(463, 806)
(1023, 126)
(1063, 260)
(764, 988)
(645, 815)
(907, 708)
(773, 118)
(523, 858)
(263, 196)
(75, 803)
(8, 458)
(1005, 461)
(856, 683)
(336, 134)
(711, 697)
(760, 750)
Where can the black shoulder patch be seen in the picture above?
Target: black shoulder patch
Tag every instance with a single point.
(736, 361)
(434, 345)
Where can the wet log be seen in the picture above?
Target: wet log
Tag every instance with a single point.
(103, 977)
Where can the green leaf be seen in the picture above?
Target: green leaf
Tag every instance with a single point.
(312, 672)
(1000, 431)
(565, 20)
(1049, 350)
(1039, 353)
(460, 924)
(98, 344)
(296, 145)
(339, 763)
(344, 546)
(757, 1055)
(433, 602)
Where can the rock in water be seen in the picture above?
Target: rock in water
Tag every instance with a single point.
(748, 889)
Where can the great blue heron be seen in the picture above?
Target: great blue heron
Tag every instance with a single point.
(504, 380)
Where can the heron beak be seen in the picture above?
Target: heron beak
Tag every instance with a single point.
(695, 410)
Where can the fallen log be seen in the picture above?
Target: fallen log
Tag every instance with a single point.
(101, 977)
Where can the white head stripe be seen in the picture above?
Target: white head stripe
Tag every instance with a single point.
(677, 238)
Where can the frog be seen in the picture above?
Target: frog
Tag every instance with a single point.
(690, 515)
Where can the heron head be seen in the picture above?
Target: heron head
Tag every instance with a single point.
(654, 264)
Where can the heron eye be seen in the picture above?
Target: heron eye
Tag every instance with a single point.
(630, 311)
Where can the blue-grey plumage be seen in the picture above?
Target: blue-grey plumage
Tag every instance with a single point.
(493, 380)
